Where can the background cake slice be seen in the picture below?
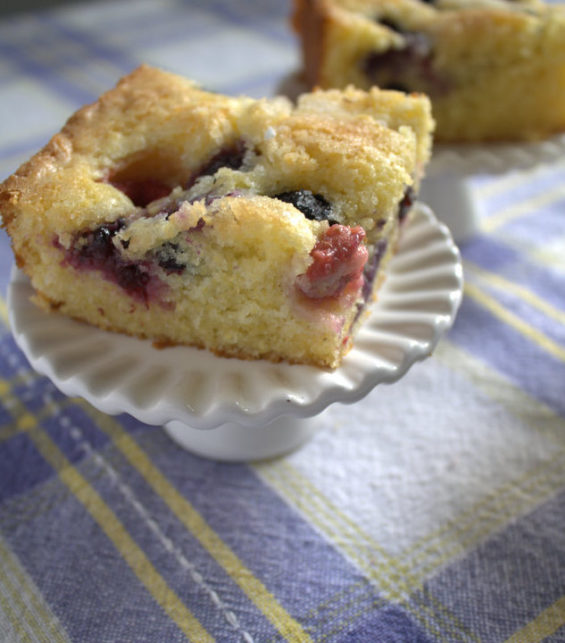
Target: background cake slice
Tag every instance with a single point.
(253, 228)
(494, 69)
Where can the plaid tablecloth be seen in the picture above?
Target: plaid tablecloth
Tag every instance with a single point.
(433, 510)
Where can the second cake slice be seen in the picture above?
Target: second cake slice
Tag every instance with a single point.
(493, 69)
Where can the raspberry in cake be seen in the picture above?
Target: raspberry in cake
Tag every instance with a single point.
(493, 69)
(252, 228)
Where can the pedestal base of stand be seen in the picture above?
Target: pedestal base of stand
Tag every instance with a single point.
(238, 443)
(451, 198)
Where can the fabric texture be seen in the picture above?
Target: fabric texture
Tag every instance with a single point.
(432, 510)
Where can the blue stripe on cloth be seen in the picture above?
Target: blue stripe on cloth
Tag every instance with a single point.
(45, 75)
(95, 48)
(557, 637)
(491, 589)
(551, 328)
(508, 351)
(541, 302)
(90, 587)
(35, 392)
(494, 255)
(23, 147)
(7, 74)
(149, 27)
(237, 505)
(270, 20)
(524, 186)
(538, 226)
(5, 417)
(270, 10)
(391, 625)
(22, 466)
(73, 416)
(12, 360)
(6, 261)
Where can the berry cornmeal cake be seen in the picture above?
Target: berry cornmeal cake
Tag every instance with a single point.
(253, 228)
(493, 69)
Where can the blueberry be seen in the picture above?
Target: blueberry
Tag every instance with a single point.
(95, 250)
(101, 245)
(408, 69)
(168, 257)
(413, 57)
(312, 206)
(97, 245)
(230, 157)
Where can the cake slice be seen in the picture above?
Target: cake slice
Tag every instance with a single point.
(253, 228)
(494, 69)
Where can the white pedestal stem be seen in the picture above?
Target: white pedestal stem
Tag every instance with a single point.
(451, 198)
(238, 443)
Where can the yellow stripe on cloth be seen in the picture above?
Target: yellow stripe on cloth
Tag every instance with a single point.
(25, 420)
(544, 625)
(508, 182)
(4, 312)
(16, 624)
(18, 591)
(520, 291)
(539, 416)
(534, 335)
(290, 629)
(134, 556)
(550, 254)
(500, 185)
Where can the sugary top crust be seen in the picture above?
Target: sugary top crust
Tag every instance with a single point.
(360, 150)
(147, 112)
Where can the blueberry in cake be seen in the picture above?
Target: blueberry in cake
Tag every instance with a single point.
(493, 69)
(253, 228)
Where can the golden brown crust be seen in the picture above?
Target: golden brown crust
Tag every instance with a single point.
(308, 21)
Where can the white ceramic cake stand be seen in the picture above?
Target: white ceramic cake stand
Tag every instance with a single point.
(236, 410)
(446, 187)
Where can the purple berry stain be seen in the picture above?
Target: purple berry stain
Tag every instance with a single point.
(410, 68)
(95, 250)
